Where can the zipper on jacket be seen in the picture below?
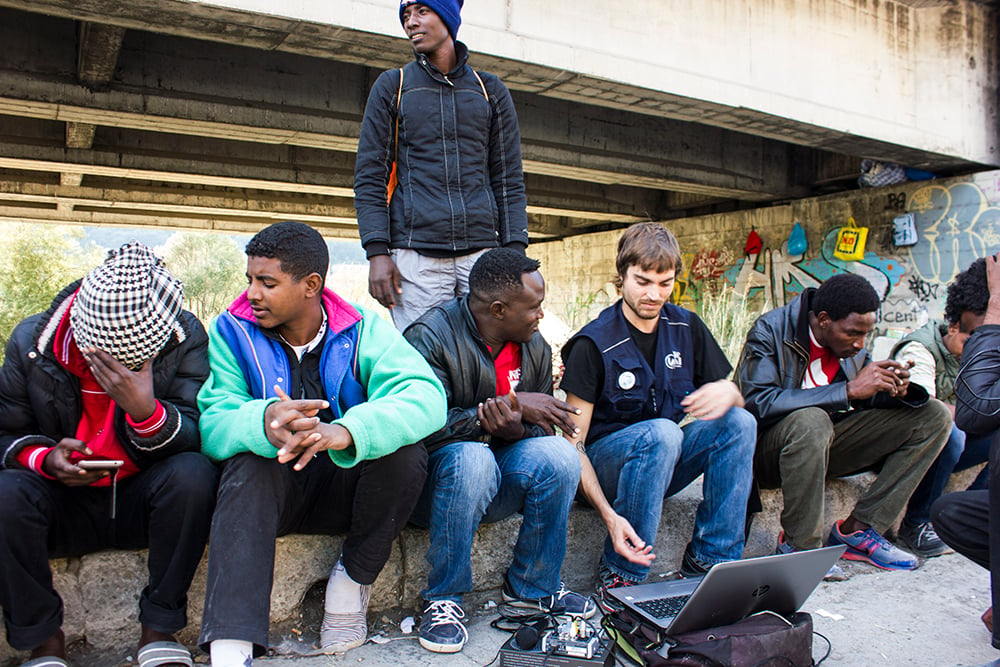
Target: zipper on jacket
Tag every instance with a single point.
(428, 65)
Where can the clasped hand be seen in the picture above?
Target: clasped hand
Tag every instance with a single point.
(294, 429)
(548, 412)
(501, 416)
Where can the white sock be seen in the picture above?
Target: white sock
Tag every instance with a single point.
(231, 653)
(343, 594)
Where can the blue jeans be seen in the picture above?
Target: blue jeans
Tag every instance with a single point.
(468, 483)
(959, 453)
(646, 462)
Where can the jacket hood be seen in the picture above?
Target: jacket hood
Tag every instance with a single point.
(339, 313)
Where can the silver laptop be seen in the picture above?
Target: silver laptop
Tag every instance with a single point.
(730, 591)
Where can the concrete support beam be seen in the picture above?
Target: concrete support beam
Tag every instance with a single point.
(596, 167)
(854, 77)
(183, 201)
(80, 135)
(558, 138)
(163, 158)
(145, 218)
(97, 53)
(159, 119)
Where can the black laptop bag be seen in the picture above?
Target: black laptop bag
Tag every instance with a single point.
(761, 640)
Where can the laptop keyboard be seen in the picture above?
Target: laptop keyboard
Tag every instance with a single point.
(663, 607)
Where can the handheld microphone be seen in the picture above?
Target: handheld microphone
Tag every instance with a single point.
(527, 636)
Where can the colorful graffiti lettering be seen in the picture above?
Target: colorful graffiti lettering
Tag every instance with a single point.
(709, 264)
(956, 224)
(783, 276)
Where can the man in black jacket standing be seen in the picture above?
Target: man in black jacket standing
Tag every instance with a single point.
(99, 444)
(824, 409)
(497, 453)
(448, 135)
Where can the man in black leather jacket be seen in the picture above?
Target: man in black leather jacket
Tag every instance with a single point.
(449, 136)
(109, 373)
(826, 410)
(497, 453)
(963, 519)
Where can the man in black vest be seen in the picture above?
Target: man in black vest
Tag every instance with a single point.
(636, 375)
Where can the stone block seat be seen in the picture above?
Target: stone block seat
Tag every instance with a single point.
(101, 590)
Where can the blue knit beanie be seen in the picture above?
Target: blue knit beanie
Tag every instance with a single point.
(448, 10)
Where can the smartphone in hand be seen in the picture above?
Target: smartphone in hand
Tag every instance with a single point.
(100, 464)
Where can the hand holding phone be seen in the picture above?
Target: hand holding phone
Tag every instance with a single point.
(61, 464)
(100, 464)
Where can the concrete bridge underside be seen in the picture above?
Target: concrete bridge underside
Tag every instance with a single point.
(179, 114)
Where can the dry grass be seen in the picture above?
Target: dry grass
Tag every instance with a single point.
(729, 317)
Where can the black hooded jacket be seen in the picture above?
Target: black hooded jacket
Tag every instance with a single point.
(40, 400)
(977, 388)
(461, 186)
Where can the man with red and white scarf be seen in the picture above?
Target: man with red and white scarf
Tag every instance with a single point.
(99, 449)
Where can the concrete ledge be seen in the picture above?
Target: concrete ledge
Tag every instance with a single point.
(101, 590)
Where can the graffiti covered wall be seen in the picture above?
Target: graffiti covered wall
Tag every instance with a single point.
(956, 221)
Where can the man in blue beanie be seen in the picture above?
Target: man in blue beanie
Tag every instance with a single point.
(438, 178)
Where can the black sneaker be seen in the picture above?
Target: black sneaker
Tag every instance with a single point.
(606, 580)
(922, 540)
(563, 601)
(441, 627)
(692, 566)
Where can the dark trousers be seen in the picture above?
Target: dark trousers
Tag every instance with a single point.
(969, 522)
(806, 447)
(167, 507)
(261, 499)
(959, 453)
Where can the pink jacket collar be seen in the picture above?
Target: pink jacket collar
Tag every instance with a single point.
(340, 314)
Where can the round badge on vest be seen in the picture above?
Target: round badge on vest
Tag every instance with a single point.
(626, 380)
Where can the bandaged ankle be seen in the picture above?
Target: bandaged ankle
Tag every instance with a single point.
(231, 653)
(343, 594)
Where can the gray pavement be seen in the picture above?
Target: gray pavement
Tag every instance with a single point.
(926, 617)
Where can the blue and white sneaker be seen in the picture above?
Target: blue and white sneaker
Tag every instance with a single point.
(441, 628)
(563, 601)
(870, 547)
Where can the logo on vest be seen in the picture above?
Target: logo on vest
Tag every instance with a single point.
(673, 360)
(626, 380)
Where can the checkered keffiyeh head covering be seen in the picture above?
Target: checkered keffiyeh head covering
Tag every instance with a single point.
(128, 306)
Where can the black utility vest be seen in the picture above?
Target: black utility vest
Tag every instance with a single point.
(633, 391)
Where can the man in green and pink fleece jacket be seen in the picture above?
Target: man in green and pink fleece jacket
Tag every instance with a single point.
(312, 408)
